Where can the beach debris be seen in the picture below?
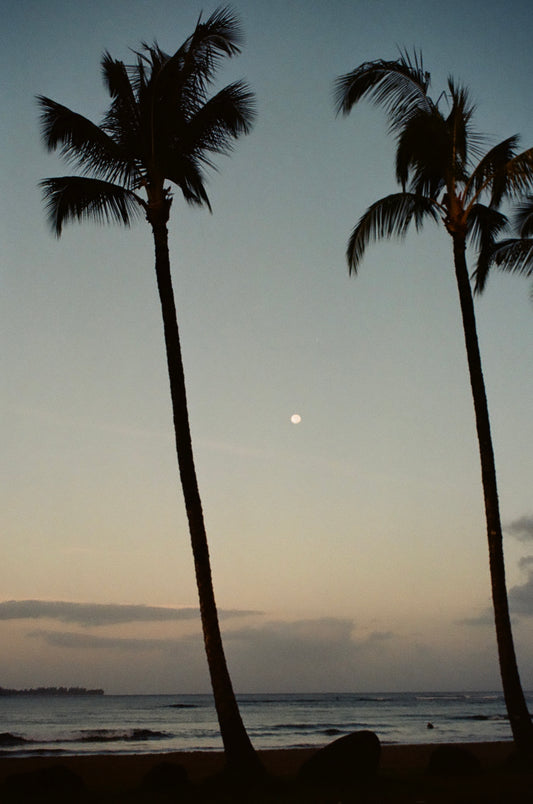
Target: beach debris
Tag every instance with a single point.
(453, 760)
(352, 758)
(53, 781)
(165, 777)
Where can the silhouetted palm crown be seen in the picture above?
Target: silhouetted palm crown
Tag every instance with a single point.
(438, 159)
(161, 126)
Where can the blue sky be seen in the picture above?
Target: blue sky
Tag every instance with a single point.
(356, 536)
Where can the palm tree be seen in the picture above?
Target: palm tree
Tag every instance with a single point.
(161, 127)
(445, 178)
(514, 254)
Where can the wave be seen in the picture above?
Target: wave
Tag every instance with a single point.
(182, 706)
(113, 736)
(8, 740)
(481, 717)
(289, 699)
(308, 729)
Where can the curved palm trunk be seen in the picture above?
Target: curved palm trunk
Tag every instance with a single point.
(240, 754)
(520, 720)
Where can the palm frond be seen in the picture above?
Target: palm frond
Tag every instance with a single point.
(490, 171)
(184, 77)
(83, 143)
(399, 86)
(523, 219)
(79, 198)
(423, 152)
(117, 80)
(484, 224)
(389, 217)
(467, 143)
(224, 117)
(187, 174)
(515, 255)
(514, 179)
(122, 120)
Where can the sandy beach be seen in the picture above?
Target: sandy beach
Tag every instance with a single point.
(402, 777)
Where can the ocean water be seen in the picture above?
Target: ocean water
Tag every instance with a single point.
(139, 724)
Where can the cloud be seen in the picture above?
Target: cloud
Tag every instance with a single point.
(302, 655)
(67, 639)
(300, 636)
(521, 597)
(307, 655)
(98, 614)
(321, 633)
(522, 528)
(485, 618)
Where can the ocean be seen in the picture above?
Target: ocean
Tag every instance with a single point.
(138, 724)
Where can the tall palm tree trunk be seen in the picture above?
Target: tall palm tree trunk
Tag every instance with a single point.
(240, 754)
(520, 720)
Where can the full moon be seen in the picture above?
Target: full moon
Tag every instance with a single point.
(296, 418)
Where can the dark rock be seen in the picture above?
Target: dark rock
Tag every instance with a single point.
(8, 740)
(165, 777)
(453, 760)
(348, 760)
(56, 780)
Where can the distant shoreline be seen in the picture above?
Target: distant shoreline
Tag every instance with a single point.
(52, 691)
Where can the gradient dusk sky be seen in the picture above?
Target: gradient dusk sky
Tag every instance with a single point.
(349, 549)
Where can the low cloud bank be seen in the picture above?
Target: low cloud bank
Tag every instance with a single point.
(99, 614)
(307, 654)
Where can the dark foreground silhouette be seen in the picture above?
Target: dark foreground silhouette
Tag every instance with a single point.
(352, 769)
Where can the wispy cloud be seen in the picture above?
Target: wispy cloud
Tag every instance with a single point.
(99, 614)
(77, 423)
(522, 528)
(67, 639)
(486, 617)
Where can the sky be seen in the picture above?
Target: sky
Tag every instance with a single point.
(349, 549)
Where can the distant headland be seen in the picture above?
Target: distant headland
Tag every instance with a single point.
(51, 691)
